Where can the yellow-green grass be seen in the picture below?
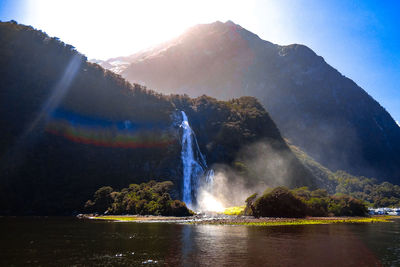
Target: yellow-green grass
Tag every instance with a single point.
(234, 210)
(306, 221)
(115, 218)
(266, 222)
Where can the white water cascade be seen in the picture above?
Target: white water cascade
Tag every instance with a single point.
(194, 164)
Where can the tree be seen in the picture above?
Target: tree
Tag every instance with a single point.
(151, 198)
(103, 199)
(280, 202)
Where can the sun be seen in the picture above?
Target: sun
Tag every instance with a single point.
(102, 29)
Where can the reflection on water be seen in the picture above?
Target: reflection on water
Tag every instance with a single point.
(69, 241)
(329, 245)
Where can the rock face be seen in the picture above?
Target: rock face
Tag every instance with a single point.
(324, 113)
(70, 127)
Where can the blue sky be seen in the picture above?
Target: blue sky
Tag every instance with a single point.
(359, 38)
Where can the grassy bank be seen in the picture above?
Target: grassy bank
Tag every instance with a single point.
(291, 221)
(239, 220)
(234, 210)
(115, 218)
(137, 218)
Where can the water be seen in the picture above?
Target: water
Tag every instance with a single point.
(60, 241)
(194, 163)
(210, 180)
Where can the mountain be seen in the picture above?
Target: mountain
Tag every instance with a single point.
(321, 111)
(70, 127)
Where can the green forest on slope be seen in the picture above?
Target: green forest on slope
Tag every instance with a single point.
(372, 191)
(320, 110)
(72, 127)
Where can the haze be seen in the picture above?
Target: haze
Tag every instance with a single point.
(359, 38)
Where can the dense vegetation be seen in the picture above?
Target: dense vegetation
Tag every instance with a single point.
(301, 202)
(370, 190)
(51, 170)
(240, 133)
(320, 110)
(149, 198)
(375, 194)
(70, 127)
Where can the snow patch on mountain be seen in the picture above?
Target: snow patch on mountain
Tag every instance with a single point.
(115, 65)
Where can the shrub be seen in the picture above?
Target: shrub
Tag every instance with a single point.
(343, 205)
(280, 202)
(150, 198)
(248, 210)
(300, 202)
(317, 206)
(178, 208)
(102, 200)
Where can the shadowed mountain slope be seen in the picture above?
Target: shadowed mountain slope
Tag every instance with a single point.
(321, 111)
(70, 127)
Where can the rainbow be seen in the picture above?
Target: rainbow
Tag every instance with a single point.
(106, 133)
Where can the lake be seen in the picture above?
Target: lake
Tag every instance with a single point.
(65, 241)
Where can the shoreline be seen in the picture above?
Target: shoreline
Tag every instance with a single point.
(239, 220)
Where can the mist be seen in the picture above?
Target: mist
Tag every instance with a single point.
(273, 166)
(228, 190)
(257, 167)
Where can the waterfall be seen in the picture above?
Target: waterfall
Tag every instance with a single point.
(210, 180)
(194, 163)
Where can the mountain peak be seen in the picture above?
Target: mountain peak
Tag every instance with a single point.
(311, 102)
(230, 22)
(216, 26)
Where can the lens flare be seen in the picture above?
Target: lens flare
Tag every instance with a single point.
(100, 132)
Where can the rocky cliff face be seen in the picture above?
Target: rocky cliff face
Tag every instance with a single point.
(317, 108)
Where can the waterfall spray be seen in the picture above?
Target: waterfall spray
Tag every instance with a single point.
(210, 180)
(194, 163)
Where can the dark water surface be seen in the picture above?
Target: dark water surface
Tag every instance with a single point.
(61, 241)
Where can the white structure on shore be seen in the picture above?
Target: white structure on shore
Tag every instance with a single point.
(384, 211)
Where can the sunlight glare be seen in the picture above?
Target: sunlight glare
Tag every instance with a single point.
(103, 29)
(207, 202)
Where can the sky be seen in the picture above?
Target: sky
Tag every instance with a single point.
(360, 38)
